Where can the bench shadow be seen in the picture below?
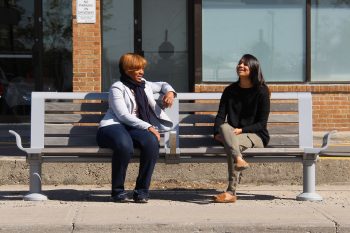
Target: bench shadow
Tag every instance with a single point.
(12, 195)
(196, 196)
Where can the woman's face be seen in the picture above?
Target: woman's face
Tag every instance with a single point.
(136, 75)
(243, 70)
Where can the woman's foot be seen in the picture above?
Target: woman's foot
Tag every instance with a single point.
(140, 196)
(225, 197)
(120, 197)
(241, 164)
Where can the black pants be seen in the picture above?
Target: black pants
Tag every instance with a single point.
(122, 140)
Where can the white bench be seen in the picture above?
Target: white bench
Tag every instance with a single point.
(64, 126)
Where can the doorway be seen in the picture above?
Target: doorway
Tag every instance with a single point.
(160, 35)
(35, 53)
(19, 58)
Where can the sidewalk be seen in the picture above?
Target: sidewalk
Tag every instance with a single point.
(259, 209)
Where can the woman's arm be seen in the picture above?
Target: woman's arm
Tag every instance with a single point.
(166, 90)
(161, 87)
(221, 115)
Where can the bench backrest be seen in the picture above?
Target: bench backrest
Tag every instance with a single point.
(67, 119)
(71, 119)
(289, 124)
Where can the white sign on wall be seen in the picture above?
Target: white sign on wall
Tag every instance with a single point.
(86, 11)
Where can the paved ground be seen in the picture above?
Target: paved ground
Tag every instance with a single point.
(259, 209)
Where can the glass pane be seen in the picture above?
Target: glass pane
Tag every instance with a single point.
(57, 30)
(118, 37)
(164, 41)
(16, 73)
(271, 30)
(330, 40)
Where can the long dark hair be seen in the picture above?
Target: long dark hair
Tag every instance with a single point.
(256, 75)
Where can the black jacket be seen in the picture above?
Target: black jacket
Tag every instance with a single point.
(246, 108)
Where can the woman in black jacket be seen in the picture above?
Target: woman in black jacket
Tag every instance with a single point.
(241, 119)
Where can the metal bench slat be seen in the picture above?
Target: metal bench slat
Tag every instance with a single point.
(70, 129)
(208, 130)
(283, 118)
(75, 107)
(196, 141)
(210, 118)
(249, 152)
(213, 107)
(274, 151)
(78, 141)
(73, 118)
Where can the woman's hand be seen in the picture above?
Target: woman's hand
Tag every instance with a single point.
(237, 131)
(155, 132)
(168, 99)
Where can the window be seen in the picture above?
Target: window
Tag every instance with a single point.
(330, 20)
(16, 59)
(273, 31)
(159, 35)
(57, 42)
(27, 64)
(118, 37)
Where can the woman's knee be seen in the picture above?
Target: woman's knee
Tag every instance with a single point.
(149, 141)
(225, 126)
(122, 144)
(114, 137)
(226, 129)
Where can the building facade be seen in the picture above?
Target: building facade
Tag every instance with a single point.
(192, 44)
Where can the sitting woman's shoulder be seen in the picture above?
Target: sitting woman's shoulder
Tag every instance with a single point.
(264, 90)
(118, 84)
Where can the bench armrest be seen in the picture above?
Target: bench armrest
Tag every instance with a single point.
(19, 144)
(325, 143)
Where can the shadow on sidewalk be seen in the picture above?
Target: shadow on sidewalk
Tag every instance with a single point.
(197, 196)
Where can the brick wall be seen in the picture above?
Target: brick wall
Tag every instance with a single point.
(87, 53)
(331, 111)
(331, 102)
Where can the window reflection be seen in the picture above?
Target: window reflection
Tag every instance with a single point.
(57, 27)
(16, 73)
(272, 30)
(118, 37)
(330, 35)
(17, 79)
(163, 39)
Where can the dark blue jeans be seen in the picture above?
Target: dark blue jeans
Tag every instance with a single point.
(122, 140)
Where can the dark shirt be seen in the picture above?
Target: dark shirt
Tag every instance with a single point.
(245, 108)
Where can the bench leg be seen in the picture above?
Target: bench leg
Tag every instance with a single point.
(34, 179)
(309, 181)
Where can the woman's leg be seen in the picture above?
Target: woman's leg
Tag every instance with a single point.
(118, 139)
(149, 147)
(234, 145)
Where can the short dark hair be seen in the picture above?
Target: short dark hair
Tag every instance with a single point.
(131, 61)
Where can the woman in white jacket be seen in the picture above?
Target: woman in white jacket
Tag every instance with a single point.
(133, 120)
